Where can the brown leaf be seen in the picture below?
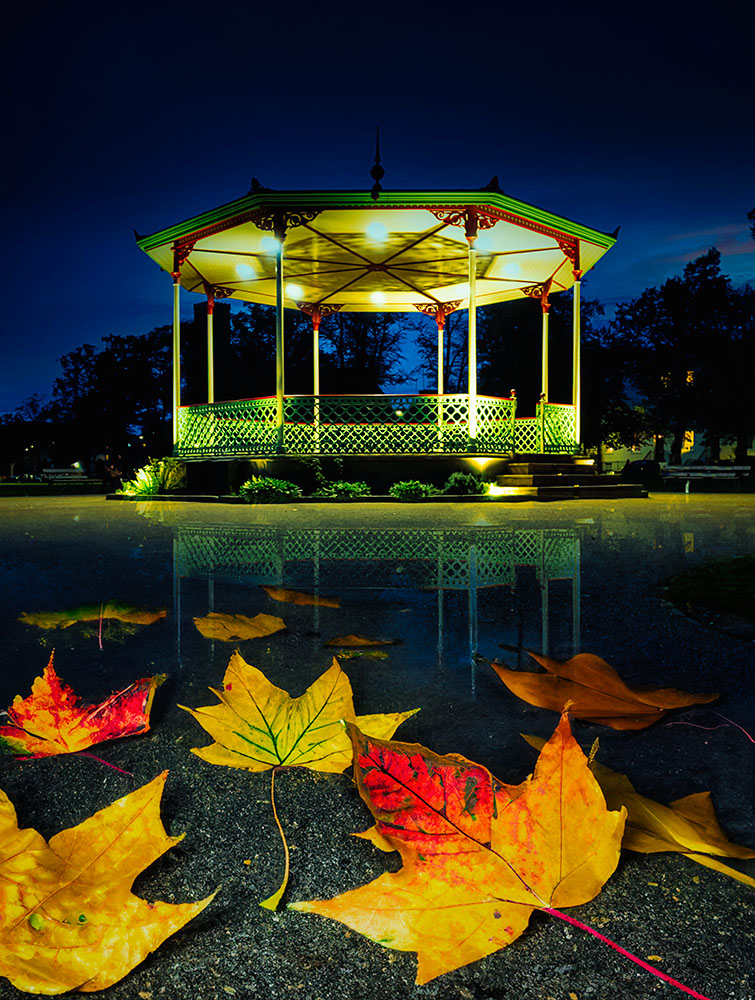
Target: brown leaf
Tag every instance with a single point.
(231, 628)
(298, 597)
(360, 640)
(596, 691)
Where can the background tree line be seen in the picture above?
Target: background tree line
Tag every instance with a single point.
(680, 356)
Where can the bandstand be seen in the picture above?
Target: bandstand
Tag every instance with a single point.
(323, 252)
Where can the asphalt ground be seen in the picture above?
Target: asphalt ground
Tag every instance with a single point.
(61, 552)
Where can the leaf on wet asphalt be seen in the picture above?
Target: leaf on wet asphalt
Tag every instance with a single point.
(478, 855)
(360, 640)
(51, 719)
(596, 692)
(111, 610)
(68, 918)
(260, 727)
(232, 628)
(299, 597)
(686, 826)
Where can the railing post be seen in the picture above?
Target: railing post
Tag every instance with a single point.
(541, 426)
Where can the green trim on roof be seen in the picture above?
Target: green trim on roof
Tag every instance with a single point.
(363, 199)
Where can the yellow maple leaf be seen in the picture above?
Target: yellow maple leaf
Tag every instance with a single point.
(259, 727)
(686, 826)
(68, 918)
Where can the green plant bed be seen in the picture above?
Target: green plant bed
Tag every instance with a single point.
(465, 484)
(341, 490)
(726, 586)
(412, 489)
(267, 489)
(160, 475)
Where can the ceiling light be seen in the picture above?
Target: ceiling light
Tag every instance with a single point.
(378, 298)
(245, 270)
(377, 232)
(294, 291)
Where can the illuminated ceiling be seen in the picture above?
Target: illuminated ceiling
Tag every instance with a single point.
(406, 251)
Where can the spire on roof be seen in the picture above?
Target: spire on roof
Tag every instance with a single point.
(377, 173)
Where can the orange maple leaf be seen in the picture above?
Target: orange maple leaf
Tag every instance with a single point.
(478, 855)
(596, 692)
(68, 918)
(51, 720)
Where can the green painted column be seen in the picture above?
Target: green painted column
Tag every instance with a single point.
(471, 234)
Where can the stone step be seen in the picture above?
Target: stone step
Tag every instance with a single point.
(564, 479)
(549, 468)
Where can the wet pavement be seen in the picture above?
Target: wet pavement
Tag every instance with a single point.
(449, 581)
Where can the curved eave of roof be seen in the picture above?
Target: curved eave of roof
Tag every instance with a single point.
(240, 209)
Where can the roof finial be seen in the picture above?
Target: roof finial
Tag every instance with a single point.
(377, 173)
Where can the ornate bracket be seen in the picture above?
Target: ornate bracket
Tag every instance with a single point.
(540, 292)
(214, 292)
(181, 252)
(471, 220)
(439, 310)
(317, 311)
(279, 222)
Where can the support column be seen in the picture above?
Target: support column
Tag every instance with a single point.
(210, 345)
(176, 351)
(440, 319)
(471, 234)
(546, 308)
(279, 344)
(576, 361)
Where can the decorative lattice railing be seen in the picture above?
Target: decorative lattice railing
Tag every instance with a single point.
(551, 431)
(345, 425)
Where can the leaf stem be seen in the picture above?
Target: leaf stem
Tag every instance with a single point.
(622, 951)
(85, 753)
(271, 903)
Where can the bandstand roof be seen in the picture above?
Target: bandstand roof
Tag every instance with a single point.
(405, 251)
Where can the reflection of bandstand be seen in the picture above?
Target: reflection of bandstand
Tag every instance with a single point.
(324, 252)
(333, 560)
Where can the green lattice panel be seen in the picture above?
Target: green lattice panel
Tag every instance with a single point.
(527, 436)
(243, 427)
(559, 429)
(560, 554)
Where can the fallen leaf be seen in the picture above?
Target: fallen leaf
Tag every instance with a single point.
(358, 654)
(478, 855)
(298, 597)
(596, 692)
(51, 720)
(231, 628)
(258, 726)
(687, 826)
(68, 919)
(92, 613)
(359, 640)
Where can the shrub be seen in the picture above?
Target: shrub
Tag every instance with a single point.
(341, 490)
(465, 484)
(160, 475)
(266, 489)
(412, 489)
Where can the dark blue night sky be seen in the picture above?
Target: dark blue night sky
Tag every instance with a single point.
(143, 114)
